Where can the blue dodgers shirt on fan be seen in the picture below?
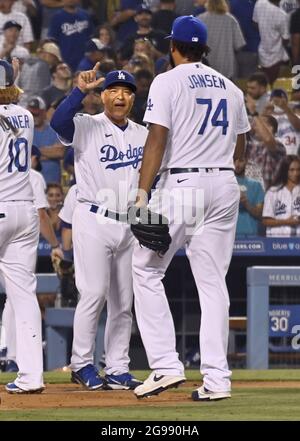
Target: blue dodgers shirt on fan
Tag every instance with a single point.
(71, 31)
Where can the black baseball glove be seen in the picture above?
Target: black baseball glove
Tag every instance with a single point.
(150, 229)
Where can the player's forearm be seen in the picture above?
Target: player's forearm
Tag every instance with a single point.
(239, 151)
(66, 238)
(46, 228)
(55, 151)
(152, 158)
(62, 118)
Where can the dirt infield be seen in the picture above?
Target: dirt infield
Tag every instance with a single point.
(72, 396)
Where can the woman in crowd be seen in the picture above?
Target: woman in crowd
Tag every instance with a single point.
(281, 213)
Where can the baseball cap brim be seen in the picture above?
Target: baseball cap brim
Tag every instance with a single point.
(119, 83)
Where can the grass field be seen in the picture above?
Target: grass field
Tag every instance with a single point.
(271, 395)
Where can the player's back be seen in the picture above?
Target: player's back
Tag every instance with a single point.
(16, 133)
(203, 110)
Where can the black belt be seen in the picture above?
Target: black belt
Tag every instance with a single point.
(174, 171)
(121, 217)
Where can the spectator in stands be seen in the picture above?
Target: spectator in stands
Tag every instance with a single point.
(46, 140)
(274, 34)
(49, 52)
(7, 14)
(60, 84)
(295, 35)
(71, 28)
(251, 202)
(281, 213)
(94, 51)
(184, 7)
(264, 151)
(49, 9)
(143, 19)
(225, 37)
(257, 86)
(247, 57)
(8, 45)
(106, 35)
(288, 122)
(107, 66)
(164, 17)
(55, 197)
(288, 6)
(199, 7)
(123, 20)
(137, 62)
(35, 75)
(143, 80)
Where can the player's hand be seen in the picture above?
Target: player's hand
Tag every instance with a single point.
(57, 253)
(87, 80)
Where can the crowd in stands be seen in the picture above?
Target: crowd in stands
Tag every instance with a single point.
(254, 43)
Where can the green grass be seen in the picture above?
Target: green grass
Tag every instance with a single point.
(246, 404)
(192, 375)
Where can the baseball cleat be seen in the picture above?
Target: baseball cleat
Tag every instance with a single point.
(12, 388)
(203, 394)
(88, 377)
(121, 382)
(155, 384)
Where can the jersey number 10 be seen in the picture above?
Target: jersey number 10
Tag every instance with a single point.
(14, 150)
(221, 110)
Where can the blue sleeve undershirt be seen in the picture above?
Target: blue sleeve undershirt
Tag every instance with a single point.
(62, 119)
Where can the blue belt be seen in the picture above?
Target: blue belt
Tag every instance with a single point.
(120, 217)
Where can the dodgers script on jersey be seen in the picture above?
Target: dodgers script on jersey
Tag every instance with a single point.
(15, 153)
(106, 157)
(203, 132)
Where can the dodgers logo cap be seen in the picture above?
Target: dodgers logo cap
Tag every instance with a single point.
(121, 77)
(189, 29)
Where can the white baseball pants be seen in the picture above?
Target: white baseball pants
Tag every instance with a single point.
(19, 234)
(209, 250)
(103, 270)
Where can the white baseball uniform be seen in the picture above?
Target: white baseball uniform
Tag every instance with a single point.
(287, 134)
(19, 234)
(107, 161)
(281, 203)
(204, 112)
(8, 340)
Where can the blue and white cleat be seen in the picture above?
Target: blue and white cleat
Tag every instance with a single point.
(88, 377)
(124, 381)
(12, 388)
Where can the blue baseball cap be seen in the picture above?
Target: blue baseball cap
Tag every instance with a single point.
(121, 77)
(189, 29)
(280, 93)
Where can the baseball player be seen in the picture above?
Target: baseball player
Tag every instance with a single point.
(197, 123)
(38, 185)
(108, 151)
(19, 233)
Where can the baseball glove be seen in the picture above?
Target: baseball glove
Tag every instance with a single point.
(151, 230)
